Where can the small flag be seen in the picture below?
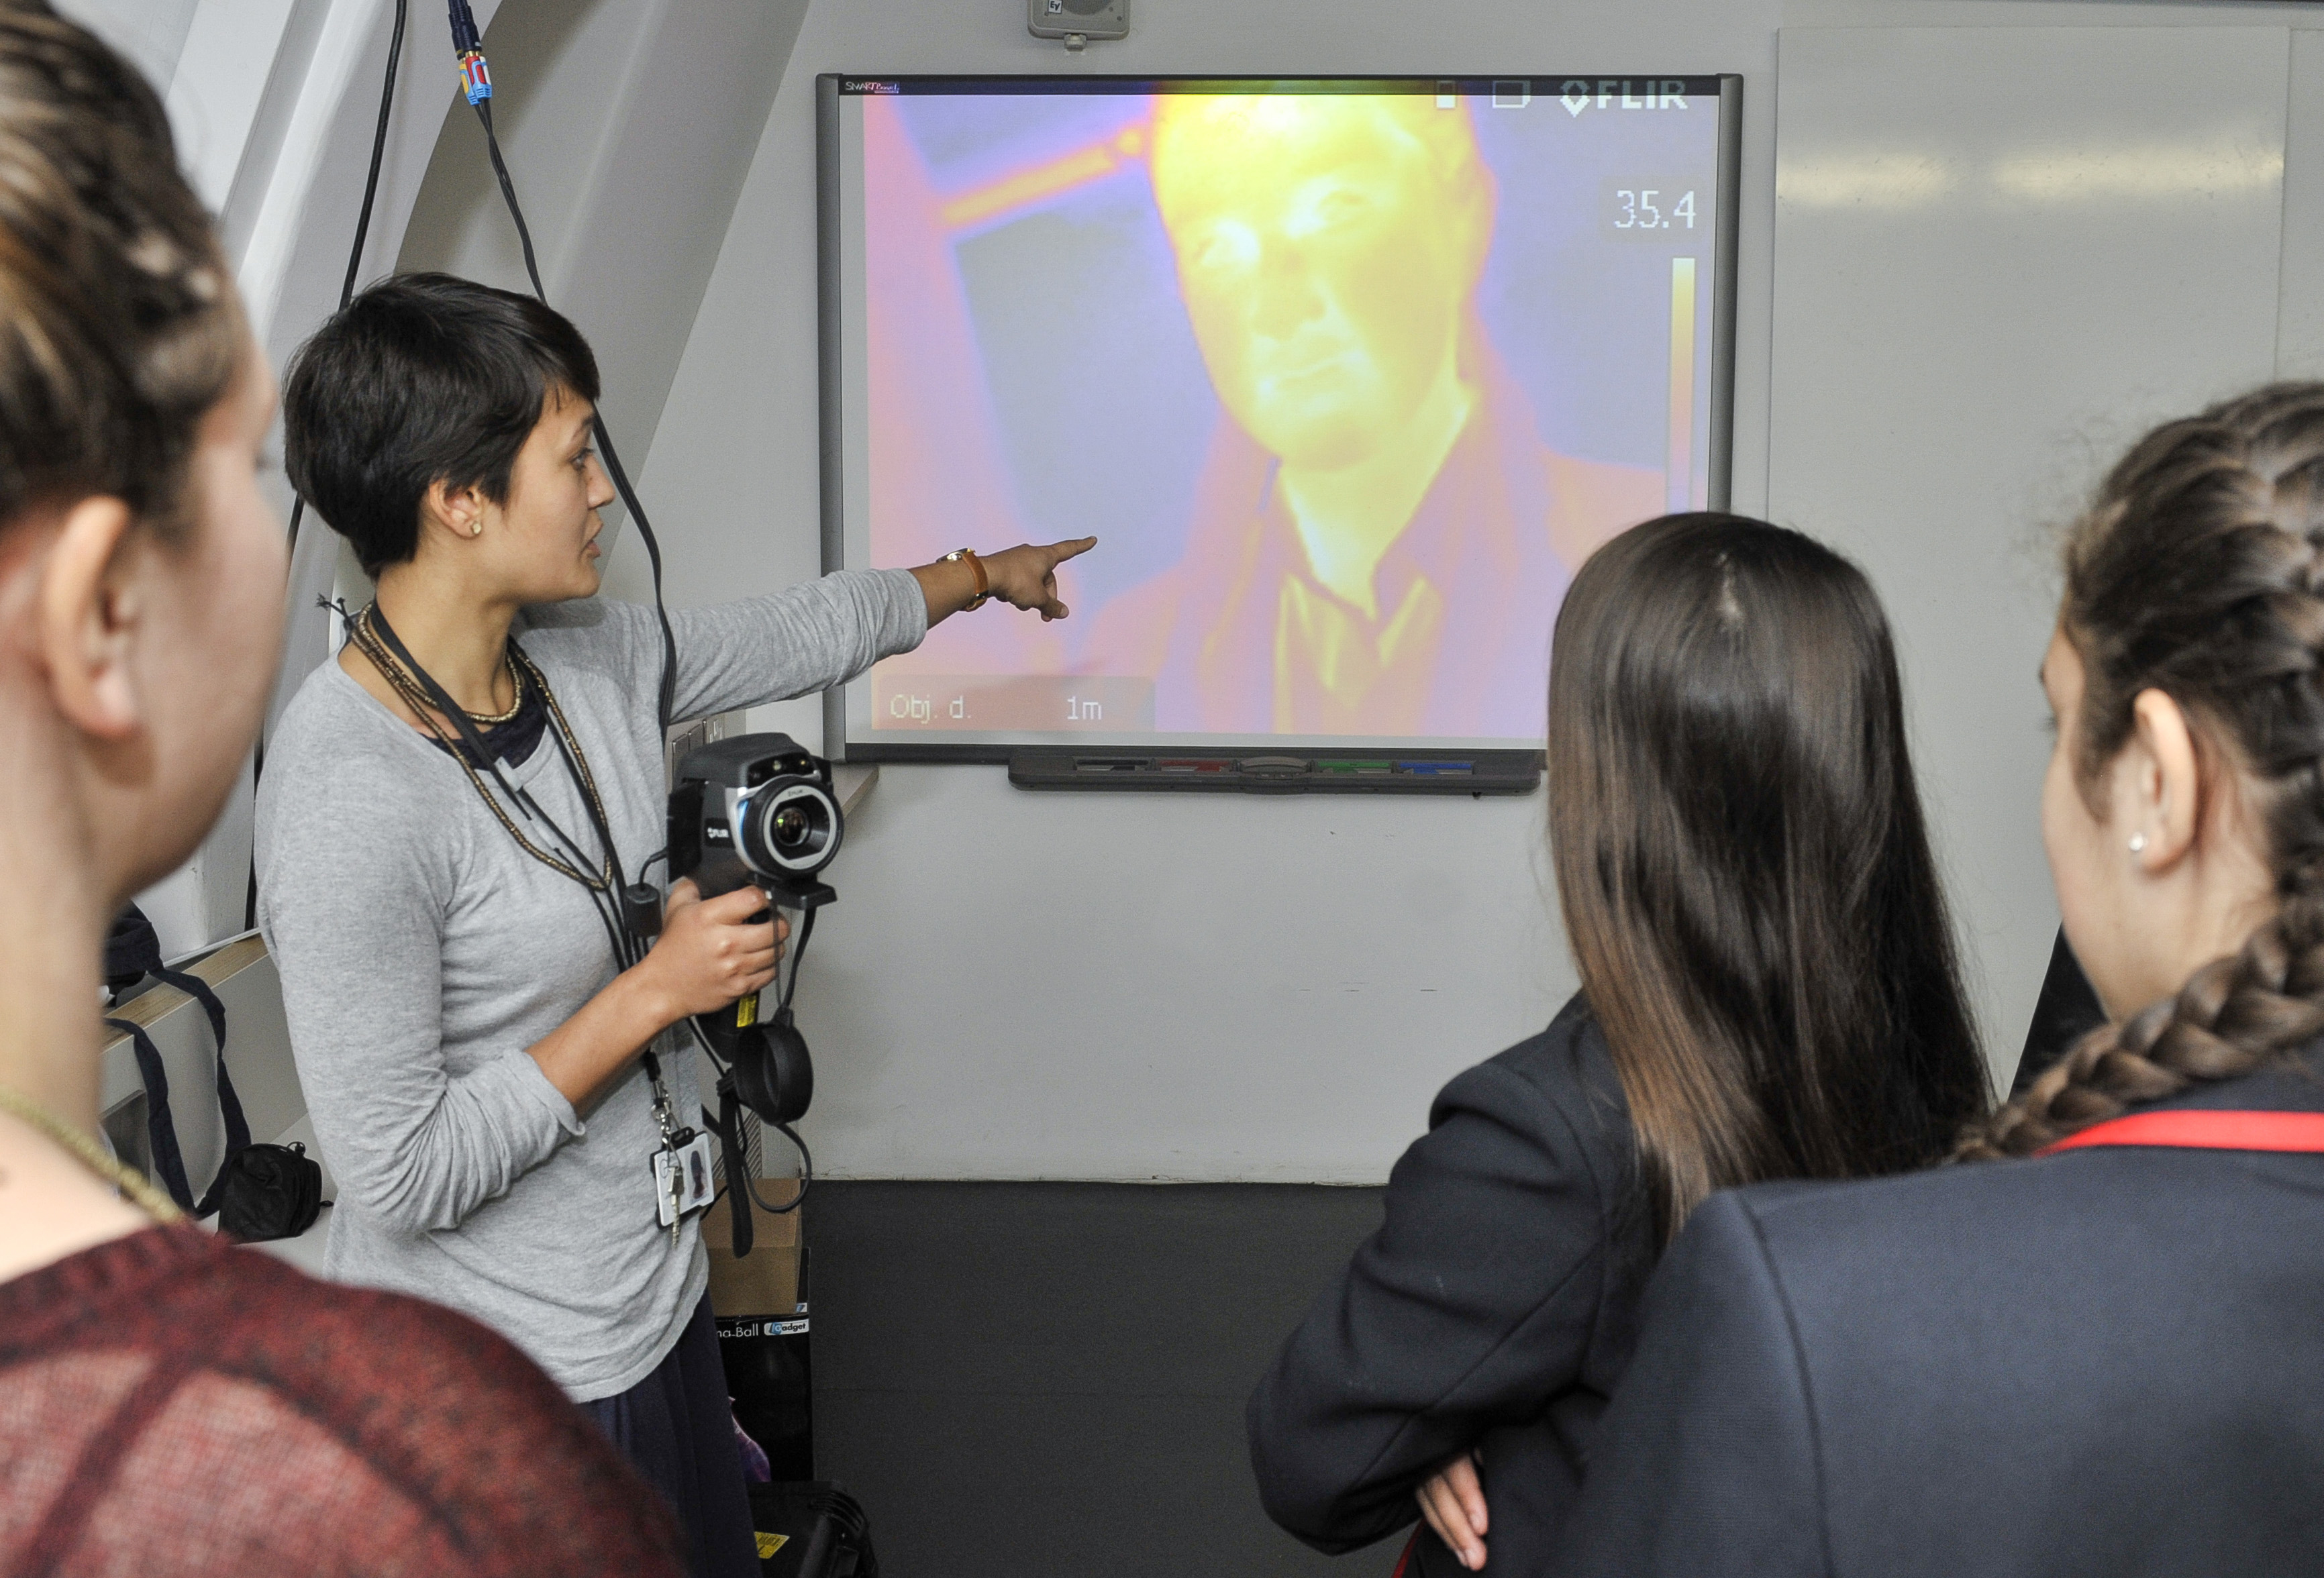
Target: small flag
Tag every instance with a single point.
(476, 79)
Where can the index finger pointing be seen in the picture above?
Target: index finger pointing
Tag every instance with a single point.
(1060, 552)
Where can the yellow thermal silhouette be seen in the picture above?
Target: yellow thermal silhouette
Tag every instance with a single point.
(1394, 574)
(1327, 244)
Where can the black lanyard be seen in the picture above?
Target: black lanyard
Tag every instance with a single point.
(482, 757)
(607, 890)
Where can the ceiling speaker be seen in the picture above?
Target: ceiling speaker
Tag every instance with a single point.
(1077, 20)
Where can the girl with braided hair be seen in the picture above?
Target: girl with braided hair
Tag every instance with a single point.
(2188, 679)
(172, 1404)
(2091, 1345)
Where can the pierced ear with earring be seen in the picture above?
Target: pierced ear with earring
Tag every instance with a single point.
(2138, 843)
(476, 529)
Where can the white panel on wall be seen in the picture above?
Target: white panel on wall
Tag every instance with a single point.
(2003, 252)
(1166, 986)
(215, 93)
(2299, 306)
(151, 33)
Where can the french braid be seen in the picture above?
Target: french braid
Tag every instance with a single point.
(2199, 571)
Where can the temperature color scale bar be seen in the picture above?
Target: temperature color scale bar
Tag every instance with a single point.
(1678, 473)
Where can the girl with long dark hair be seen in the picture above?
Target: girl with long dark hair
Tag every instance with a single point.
(2099, 1354)
(1768, 990)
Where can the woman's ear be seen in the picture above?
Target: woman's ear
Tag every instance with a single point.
(90, 606)
(2161, 780)
(457, 510)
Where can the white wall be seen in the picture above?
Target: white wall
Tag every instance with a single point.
(2005, 252)
(1021, 985)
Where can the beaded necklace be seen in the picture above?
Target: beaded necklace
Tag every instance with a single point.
(367, 641)
(85, 1149)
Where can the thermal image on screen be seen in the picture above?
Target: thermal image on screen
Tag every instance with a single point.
(1346, 379)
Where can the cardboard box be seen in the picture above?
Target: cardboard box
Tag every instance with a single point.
(766, 1281)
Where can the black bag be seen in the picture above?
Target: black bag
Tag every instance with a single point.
(260, 1191)
(268, 1191)
(811, 1528)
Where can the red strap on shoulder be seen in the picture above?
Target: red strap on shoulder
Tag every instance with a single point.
(2203, 1131)
(1404, 1562)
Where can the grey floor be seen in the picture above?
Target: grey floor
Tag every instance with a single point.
(1046, 1380)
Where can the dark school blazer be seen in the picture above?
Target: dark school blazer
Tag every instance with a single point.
(2106, 1361)
(2067, 1010)
(1494, 1309)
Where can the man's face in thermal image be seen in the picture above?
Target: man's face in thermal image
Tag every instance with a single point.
(1326, 246)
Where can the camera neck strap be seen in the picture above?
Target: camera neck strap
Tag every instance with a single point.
(379, 643)
(377, 640)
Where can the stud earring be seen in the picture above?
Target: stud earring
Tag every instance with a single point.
(476, 529)
(2138, 843)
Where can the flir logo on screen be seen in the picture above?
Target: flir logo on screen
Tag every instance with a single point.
(1618, 93)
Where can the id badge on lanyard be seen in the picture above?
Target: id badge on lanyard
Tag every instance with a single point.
(682, 1176)
(681, 1168)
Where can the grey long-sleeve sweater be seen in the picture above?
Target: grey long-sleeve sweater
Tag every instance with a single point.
(422, 952)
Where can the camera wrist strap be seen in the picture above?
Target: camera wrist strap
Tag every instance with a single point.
(729, 1125)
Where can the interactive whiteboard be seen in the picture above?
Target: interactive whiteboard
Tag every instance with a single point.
(1348, 376)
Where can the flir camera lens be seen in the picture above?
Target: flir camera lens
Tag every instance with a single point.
(790, 828)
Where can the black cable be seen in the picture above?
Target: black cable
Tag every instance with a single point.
(370, 190)
(741, 1165)
(378, 147)
(667, 700)
(807, 1176)
(508, 194)
(346, 294)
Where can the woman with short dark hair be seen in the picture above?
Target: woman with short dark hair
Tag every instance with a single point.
(496, 1095)
(171, 1404)
(1768, 990)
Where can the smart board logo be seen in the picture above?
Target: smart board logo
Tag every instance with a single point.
(1663, 93)
(873, 87)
